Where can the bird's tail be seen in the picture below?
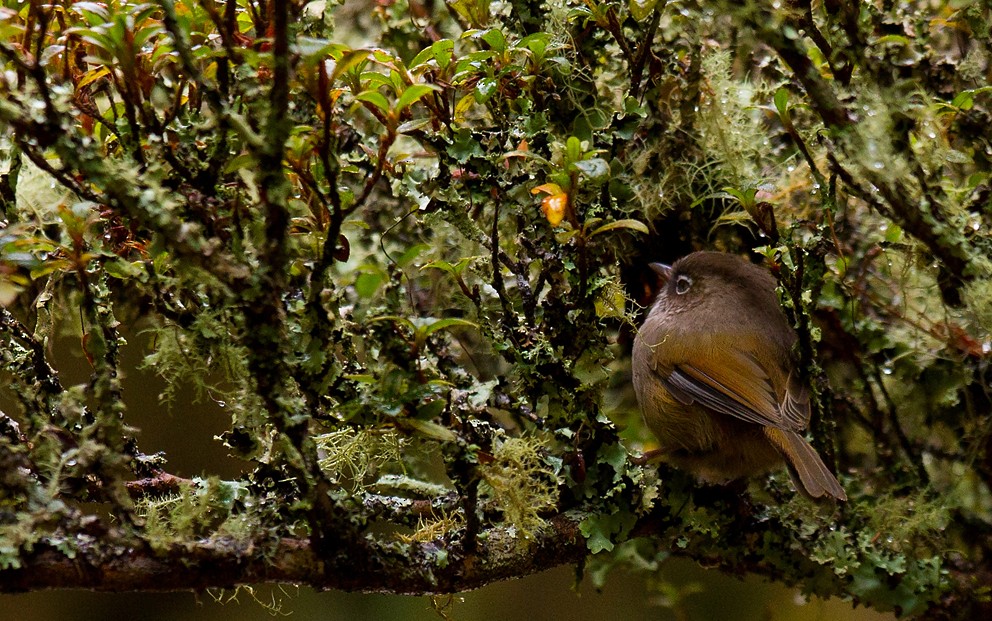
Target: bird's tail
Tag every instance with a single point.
(808, 471)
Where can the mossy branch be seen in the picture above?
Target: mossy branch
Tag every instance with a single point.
(774, 546)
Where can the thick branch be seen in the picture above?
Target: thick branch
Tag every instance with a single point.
(444, 566)
(385, 567)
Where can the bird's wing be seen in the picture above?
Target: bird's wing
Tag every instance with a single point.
(736, 384)
(795, 407)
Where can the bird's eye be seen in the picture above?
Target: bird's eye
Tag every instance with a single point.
(682, 284)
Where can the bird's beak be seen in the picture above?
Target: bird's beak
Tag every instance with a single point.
(663, 271)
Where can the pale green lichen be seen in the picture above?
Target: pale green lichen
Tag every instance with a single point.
(197, 510)
(520, 483)
(730, 131)
(871, 150)
(433, 527)
(270, 597)
(978, 299)
(353, 457)
(905, 523)
(201, 359)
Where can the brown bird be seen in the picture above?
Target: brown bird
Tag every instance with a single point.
(714, 378)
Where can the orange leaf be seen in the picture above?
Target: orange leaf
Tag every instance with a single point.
(553, 207)
(547, 188)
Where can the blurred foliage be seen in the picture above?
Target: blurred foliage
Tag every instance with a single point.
(405, 245)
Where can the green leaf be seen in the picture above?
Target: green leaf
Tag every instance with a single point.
(313, 50)
(573, 150)
(629, 223)
(372, 80)
(893, 38)
(537, 43)
(51, 266)
(383, 57)
(964, 100)
(413, 94)
(403, 321)
(640, 9)
(239, 162)
(440, 265)
(475, 12)
(422, 58)
(615, 455)
(456, 268)
(430, 409)
(375, 98)
(443, 51)
(602, 530)
(597, 540)
(485, 89)
(475, 59)
(745, 197)
(94, 12)
(893, 233)
(496, 40)
(430, 429)
(595, 168)
(362, 378)
(143, 35)
(441, 324)
(782, 104)
(464, 145)
(348, 61)
(124, 270)
(410, 254)
(142, 12)
(368, 283)
(10, 31)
